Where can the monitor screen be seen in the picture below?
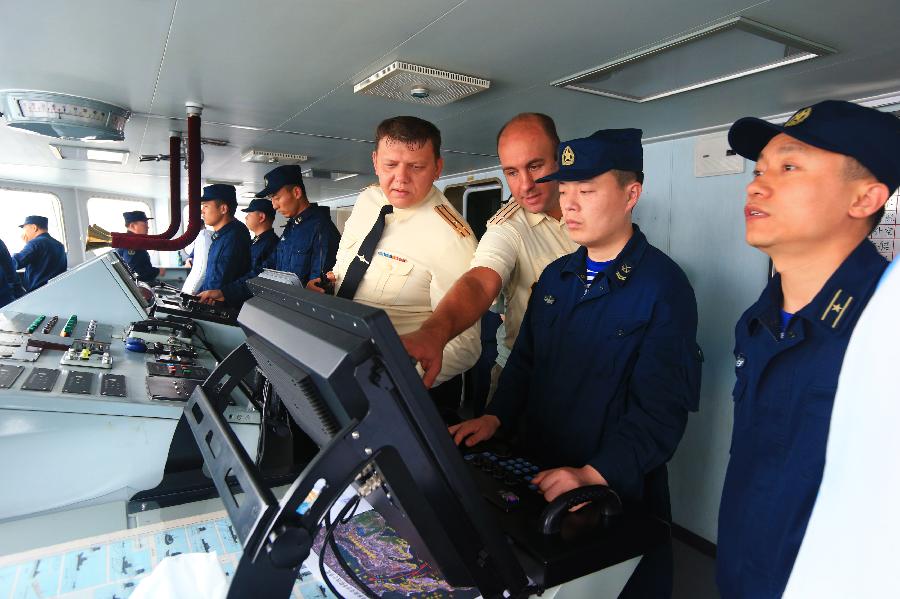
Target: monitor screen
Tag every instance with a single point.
(345, 378)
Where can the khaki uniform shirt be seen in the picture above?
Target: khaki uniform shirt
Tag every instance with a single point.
(420, 255)
(518, 245)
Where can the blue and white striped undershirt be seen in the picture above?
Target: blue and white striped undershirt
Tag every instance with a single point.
(591, 270)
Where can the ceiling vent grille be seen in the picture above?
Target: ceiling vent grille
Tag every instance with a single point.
(269, 157)
(407, 82)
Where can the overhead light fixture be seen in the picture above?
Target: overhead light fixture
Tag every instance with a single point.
(409, 82)
(336, 176)
(726, 50)
(270, 157)
(321, 173)
(63, 115)
(104, 155)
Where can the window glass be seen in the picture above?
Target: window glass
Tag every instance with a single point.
(19, 204)
(885, 235)
(107, 213)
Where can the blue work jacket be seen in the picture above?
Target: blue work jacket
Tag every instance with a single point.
(606, 377)
(9, 280)
(228, 261)
(783, 395)
(42, 258)
(139, 262)
(308, 244)
(261, 247)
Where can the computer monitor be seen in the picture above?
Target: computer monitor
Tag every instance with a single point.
(345, 378)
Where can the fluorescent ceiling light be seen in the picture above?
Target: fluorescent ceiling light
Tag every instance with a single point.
(89, 154)
(114, 156)
(727, 50)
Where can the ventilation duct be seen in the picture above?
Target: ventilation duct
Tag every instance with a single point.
(270, 157)
(63, 116)
(413, 83)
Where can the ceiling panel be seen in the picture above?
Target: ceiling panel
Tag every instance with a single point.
(92, 48)
(291, 65)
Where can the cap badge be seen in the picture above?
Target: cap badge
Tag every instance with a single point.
(568, 156)
(549, 300)
(799, 116)
(131, 252)
(265, 182)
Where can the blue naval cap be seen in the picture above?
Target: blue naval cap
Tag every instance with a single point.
(870, 136)
(605, 150)
(135, 216)
(289, 174)
(34, 219)
(261, 205)
(220, 191)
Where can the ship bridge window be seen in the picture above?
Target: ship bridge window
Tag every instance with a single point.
(107, 213)
(17, 204)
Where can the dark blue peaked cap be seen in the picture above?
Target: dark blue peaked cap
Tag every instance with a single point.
(261, 205)
(605, 150)
(220, 191)
(870, 136)
(134, 216)
(288, 174)
(40, 221)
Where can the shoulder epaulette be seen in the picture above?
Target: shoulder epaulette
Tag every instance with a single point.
(456, 223)
(505, 212)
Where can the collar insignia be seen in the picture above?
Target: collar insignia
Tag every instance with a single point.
(836, 310)
(623, 272)
(549, 300)
(740, 361)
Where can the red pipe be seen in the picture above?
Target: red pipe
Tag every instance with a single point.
(174, 188)
(130, 241)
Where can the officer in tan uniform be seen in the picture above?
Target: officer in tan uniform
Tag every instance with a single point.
(405, 245)
(522, 238)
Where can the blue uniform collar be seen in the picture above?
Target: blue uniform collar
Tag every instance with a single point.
(263, 235)
(232, 224)
(621, 269)
(836, 304)
(305, 214)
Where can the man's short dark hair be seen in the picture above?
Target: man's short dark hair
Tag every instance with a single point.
(410, 130)
(546, 123)
(232, 208)
(625, 178)
(854, 171)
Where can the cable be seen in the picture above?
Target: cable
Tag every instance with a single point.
(329, 540)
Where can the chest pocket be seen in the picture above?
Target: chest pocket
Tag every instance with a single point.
(298, 255)
(385, 279)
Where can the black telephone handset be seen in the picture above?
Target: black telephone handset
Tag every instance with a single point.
(326, 284)
(606, 500)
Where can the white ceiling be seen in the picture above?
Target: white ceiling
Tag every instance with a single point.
(290, 66)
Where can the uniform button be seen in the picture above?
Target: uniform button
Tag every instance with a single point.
(620, 333)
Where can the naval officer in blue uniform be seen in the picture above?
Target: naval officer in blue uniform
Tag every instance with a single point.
(229, 252)
(10, 288)
(820, 186)
(606, 366)
(309, 242)
(138, 261)
(42, 257)
(260, 220)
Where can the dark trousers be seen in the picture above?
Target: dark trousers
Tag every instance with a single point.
(652, 579)
(446, 397)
